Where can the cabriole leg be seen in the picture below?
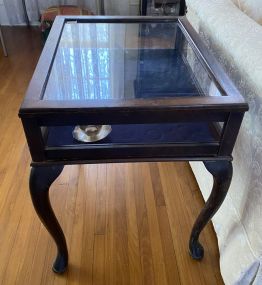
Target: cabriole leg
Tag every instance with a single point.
(222, 175)
(41, 178)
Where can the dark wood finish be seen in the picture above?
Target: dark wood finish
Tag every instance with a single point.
(59, 113)
(37, 115)
(152, 159)
(41, 179)
(34, 139)
(222, 173)
(230, 133)
(120, 152)
(217, 103)
(131, 115)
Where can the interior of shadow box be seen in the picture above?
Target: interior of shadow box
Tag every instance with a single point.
(141, 134)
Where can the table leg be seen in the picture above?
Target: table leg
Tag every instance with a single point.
(3, 42)
(41, 178)
(222, 174)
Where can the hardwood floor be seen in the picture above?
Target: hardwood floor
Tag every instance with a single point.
(124, 223)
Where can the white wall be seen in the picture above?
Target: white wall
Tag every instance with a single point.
(3, 15)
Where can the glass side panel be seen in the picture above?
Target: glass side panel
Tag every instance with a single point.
(126, 61)
(145, 134)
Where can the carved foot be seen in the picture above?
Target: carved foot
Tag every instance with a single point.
(60, 263)
(222, 174)
(196, 250)
(41, 178)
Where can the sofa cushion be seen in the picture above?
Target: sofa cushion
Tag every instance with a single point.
(253, 8)
(236, 35)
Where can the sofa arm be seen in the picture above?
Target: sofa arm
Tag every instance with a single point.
(236, 41)
(235, 38)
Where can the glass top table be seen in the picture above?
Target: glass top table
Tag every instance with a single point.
(153, 82)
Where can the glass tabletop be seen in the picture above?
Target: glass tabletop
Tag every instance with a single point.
(105, 61)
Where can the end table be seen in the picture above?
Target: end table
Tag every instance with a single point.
(150, 78)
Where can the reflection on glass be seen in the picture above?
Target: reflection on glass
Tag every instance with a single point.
(79, 69)
(121, 61)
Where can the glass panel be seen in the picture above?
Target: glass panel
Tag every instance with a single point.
(126, 61)
(142, 134)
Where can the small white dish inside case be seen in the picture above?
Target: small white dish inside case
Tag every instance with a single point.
(91, 133)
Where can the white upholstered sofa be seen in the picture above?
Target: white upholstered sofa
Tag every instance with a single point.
(232, 30)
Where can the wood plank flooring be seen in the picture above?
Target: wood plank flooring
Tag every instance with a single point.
(124, 223)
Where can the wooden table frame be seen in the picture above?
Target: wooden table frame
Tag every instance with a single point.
(48, 163)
